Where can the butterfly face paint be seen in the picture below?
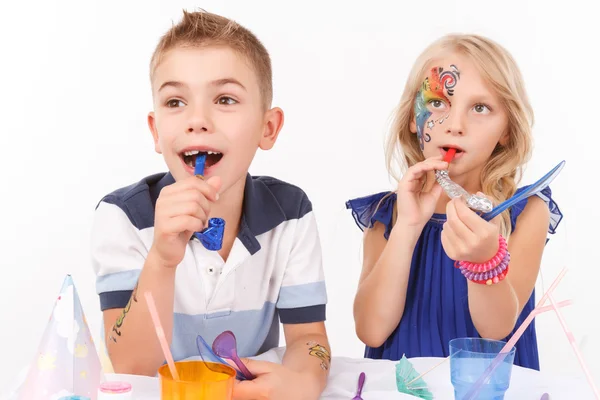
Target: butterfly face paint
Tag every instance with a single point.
(437, 86)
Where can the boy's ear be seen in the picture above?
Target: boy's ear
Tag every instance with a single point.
(154, 131)
(272, 127)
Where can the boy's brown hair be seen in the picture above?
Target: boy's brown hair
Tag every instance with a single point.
(201, 28)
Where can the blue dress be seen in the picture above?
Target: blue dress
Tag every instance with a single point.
(436, 308)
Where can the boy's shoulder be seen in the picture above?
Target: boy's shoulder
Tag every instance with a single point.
(261, 194)
(264, 191)
(144, 186)
(269, 202)
(138, 200)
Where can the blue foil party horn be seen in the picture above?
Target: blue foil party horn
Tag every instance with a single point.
(537, 187)
(212, 236)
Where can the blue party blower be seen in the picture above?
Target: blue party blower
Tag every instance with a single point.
(212, 236)
(536, 188)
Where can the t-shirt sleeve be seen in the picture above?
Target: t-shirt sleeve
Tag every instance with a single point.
(118, 254)
(303, 295)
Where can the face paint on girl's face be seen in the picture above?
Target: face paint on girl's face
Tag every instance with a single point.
(437, 87)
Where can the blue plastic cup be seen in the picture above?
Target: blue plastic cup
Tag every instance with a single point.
(469, 358)
(74, 398)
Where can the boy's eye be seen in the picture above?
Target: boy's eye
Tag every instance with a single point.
(225, 100)
(173, 103)
(481, 109)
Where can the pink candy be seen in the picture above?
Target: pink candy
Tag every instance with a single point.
(115, 391)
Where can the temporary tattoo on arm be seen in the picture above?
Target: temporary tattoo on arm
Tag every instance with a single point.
(119, 323)
(316, 350)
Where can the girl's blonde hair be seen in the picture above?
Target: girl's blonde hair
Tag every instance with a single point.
(503, 170)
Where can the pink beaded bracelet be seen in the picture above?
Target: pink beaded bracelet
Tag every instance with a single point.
(490, 272)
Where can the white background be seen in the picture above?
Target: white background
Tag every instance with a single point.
(74, 96)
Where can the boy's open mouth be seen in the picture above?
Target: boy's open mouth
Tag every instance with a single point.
(212, 157)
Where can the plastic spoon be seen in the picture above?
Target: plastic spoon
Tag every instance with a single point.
(208, 356)
(361, 382)
(225, 345)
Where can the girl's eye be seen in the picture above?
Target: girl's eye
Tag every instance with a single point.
(437, 104)
(481, 109)
(174, 103)
(225, 100)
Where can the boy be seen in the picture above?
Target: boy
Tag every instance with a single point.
(212, 90)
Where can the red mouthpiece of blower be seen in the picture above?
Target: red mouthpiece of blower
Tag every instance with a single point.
(449, 155)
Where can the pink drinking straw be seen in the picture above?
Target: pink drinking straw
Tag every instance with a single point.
(571, 338)
(513, 340)
(560, 304)
(160, 333)
(538, 311)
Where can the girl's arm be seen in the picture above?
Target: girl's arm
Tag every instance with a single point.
(466, 236)
(379, 301)
(495, 309)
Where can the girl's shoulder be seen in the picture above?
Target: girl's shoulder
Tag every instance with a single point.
(556, 215)
(378, 207)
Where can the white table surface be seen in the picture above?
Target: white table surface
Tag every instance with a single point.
(381, 381)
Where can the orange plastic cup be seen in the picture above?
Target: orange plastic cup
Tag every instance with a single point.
(197, 381)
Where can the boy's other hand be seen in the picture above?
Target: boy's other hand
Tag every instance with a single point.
(181, 209)
(274, 382)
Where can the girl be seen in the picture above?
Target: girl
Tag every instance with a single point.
(464, 92)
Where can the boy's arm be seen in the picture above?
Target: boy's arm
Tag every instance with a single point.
(118, 255)
(308, 352)
(125, 269)
(130, 335)
(301, 306)
(303, 373)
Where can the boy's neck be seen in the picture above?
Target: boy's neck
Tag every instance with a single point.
(229, 207)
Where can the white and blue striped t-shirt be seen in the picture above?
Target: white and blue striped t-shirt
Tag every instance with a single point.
(273, 272)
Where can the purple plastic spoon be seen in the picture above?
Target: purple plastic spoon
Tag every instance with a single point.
(225, 346)
(361, 382)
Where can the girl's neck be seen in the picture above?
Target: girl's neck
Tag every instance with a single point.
(469, 181)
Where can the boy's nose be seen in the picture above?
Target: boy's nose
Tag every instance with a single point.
(198, 122)
(201, 129)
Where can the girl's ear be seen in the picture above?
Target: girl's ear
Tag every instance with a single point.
(413, 124)
(504, 139)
